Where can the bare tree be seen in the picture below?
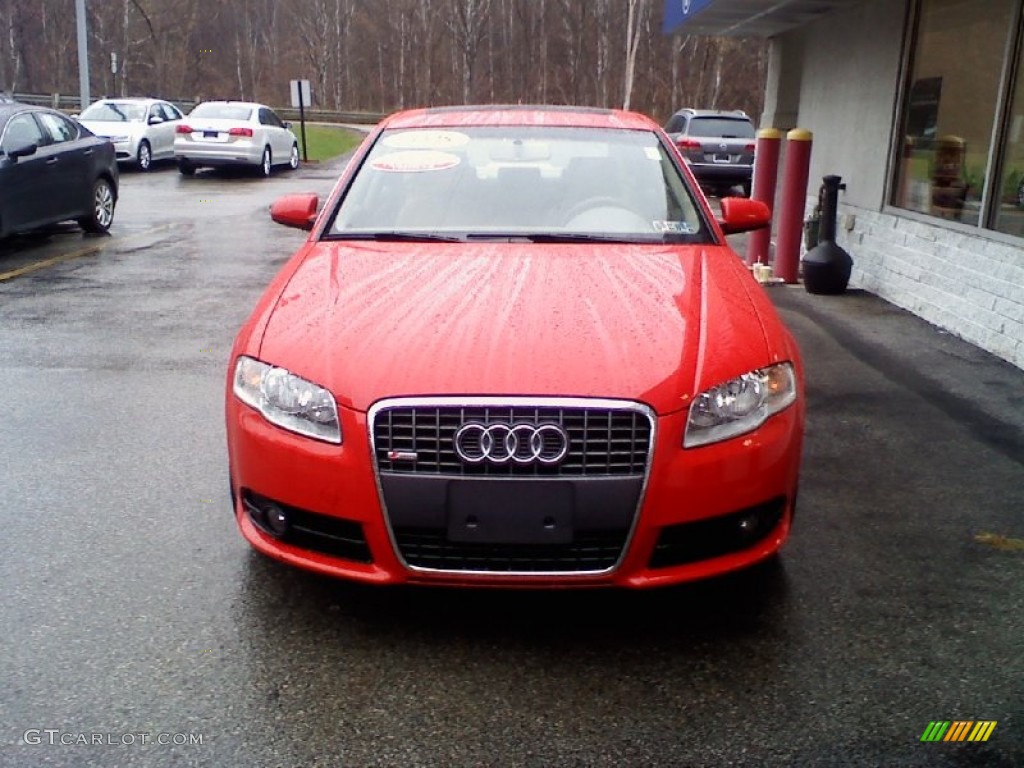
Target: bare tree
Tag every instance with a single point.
(381, 54)
(636, 10)
(466, 24)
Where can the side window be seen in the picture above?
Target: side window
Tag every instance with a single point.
(58, 127)
(170, 112)
(675, 125)
(269, 118)
(21, 130)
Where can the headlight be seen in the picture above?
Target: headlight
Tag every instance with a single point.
(287, 400)
(739, 405)
(118, 139)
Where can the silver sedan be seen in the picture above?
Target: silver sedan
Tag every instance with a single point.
(141, 130)
(225, 133)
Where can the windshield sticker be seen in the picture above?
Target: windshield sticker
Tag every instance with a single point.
(426, 140)
(415, 161)
(673, 227)
(652, 153)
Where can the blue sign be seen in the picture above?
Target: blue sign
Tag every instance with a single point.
(678, 12)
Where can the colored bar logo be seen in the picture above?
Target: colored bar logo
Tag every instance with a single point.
(958, 730)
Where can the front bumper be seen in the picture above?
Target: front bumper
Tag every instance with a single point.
(698, 513)
(126, 150)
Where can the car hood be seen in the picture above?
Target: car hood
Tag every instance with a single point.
(113, 128)
(649, 323)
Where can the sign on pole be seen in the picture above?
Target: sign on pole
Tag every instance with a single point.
(302, 95)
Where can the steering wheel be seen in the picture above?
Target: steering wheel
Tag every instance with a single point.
(603, 210)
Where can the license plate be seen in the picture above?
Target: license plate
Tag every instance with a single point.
(517, 512)
(720, 158)
(211, 134)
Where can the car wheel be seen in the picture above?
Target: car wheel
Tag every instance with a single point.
(267, 163)
(103, 201)
(144, 157)
(185, 168)
(293, 158)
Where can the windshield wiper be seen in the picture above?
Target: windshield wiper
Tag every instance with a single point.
(561, 237)
(660, 238)
(396, 237)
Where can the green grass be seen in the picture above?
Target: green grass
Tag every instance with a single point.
(325, 142)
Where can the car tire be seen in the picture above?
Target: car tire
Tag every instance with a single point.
(144, 157)
(185, 168)
(293, 157)
(266, 164)
(103, 202)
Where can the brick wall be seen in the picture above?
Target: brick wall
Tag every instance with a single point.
(969, 285)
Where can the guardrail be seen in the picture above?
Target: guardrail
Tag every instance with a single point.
(71, 103)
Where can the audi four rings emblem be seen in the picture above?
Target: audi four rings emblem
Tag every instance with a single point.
(500, 443)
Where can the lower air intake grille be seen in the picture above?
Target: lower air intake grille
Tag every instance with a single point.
(430, 549)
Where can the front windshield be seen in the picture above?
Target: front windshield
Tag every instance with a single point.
(535, 182)
(115, 112)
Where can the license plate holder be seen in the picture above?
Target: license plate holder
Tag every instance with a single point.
(510, 512)
(723, 158)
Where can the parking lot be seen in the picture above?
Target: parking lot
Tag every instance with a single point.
(133, 607)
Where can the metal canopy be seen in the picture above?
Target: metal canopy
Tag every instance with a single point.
(744, 18)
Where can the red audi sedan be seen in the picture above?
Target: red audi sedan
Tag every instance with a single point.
(515, 350)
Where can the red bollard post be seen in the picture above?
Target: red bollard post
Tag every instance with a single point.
(794, 201)
(766, 177)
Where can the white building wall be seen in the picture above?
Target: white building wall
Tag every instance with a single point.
(968, 282)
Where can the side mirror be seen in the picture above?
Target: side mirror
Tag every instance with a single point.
(155, 119)
(741, 214)
(23, 151)
(297, 211)
(287, 124)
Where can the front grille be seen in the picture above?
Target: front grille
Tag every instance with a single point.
(596, 551)
(603, 441)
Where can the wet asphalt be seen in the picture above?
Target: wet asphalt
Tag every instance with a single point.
(134, 613)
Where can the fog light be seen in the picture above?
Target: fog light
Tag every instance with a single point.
(748, 525)
(276, 519)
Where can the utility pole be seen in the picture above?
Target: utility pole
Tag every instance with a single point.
(83, 54)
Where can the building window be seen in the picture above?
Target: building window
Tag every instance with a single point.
(951, 101)
(1009, 209)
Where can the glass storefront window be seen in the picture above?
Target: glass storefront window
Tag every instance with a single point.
(950, 107)
(1009, 208)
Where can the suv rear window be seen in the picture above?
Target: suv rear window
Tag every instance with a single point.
(722, 127)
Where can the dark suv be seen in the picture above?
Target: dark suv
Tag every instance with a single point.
(719, 146)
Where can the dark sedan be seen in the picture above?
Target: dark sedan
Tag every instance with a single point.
(53, 169)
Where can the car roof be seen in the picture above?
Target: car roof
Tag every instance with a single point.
(8, 108)
(128, 100)
(250, 104)
(520, 114)
(735, 114)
